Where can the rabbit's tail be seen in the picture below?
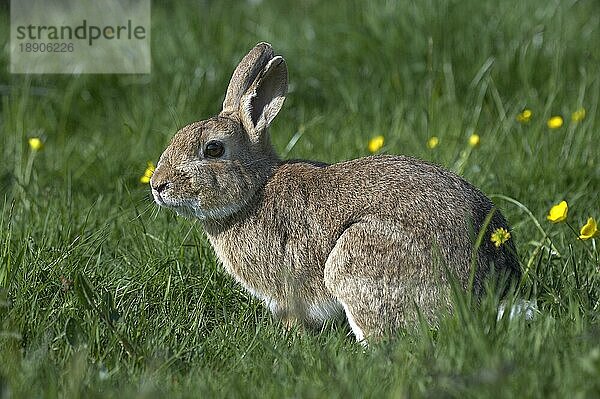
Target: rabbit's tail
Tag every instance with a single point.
(520, 308)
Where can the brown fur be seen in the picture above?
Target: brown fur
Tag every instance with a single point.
(371, 237)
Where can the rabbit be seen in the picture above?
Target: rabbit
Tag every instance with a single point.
(377, 240)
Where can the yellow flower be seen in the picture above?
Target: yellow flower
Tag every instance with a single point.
(474, 140)
(376, 143)
(525, 116)
(558, 213)
(578, 115)
(589, 230)
(500, 236)
(432, 142)
(555, 122)
(36, 144)
(145, 179)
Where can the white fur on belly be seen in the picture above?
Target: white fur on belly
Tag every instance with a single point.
(325, 310)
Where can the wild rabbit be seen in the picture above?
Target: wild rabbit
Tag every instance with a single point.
(375, 238)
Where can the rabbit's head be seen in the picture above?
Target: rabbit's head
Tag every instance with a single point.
(212, 168)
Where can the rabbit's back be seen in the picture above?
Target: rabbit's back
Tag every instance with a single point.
(439, 210)
(419, 197)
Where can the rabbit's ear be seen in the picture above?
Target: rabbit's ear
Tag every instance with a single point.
(263, 100)
(245, 73)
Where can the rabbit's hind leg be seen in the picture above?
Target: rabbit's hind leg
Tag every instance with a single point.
(382, 277)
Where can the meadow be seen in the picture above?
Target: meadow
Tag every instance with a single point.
(102, 295)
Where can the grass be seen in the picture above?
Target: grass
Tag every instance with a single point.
(101, 296)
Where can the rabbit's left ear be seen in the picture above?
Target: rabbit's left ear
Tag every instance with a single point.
(245, 74)
(262, 101)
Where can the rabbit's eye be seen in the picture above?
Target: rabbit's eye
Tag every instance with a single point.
(214, 149)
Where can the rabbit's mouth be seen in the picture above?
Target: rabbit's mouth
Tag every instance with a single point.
(164, 200)
(181, 207)
(158, 198)
(192, 209)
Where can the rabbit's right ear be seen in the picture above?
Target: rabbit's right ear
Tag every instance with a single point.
(245, 74)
